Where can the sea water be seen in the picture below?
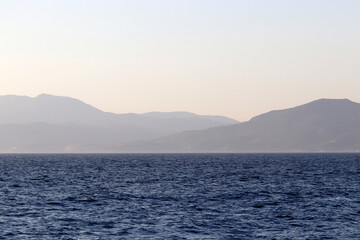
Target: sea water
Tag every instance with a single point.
(180, 196)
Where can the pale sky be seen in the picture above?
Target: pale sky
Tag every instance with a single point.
(237, 58)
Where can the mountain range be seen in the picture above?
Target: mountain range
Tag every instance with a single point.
(325, 125)
(49, 123)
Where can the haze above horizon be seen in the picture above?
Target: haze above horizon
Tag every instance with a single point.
(231, 58)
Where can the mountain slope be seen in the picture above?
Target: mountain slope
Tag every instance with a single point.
(322, 125)
(50, 123)
(46, 108)
(55, 109)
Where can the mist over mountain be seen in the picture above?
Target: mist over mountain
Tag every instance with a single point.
(55, 109)
(60, 124)
(323, 125)
(49, 123)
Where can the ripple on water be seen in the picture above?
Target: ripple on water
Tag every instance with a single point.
(180, 196)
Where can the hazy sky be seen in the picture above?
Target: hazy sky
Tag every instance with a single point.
(236, 58)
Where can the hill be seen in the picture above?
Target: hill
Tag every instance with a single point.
(330, 125)
(49, 123)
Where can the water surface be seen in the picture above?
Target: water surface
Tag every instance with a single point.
(180, 196)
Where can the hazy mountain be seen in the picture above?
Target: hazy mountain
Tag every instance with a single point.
(59, 124)
(54, 109)
(322, 125)
(49, 123)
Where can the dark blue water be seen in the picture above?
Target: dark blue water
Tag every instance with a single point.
(195, 196)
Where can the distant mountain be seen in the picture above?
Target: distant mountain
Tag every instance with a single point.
(54, 109)
(324, 125)
(49, 123)
(60, 124)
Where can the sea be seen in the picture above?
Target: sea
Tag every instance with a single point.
(180, 196)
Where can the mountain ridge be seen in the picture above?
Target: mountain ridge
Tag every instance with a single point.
(67, 118)
(312, 127)
(64, 103)
(321, 125)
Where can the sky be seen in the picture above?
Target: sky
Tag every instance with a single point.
(237, 58)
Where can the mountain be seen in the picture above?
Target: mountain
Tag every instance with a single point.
(60, 124)
(49, 123)
(323, 125)
(55, 109)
